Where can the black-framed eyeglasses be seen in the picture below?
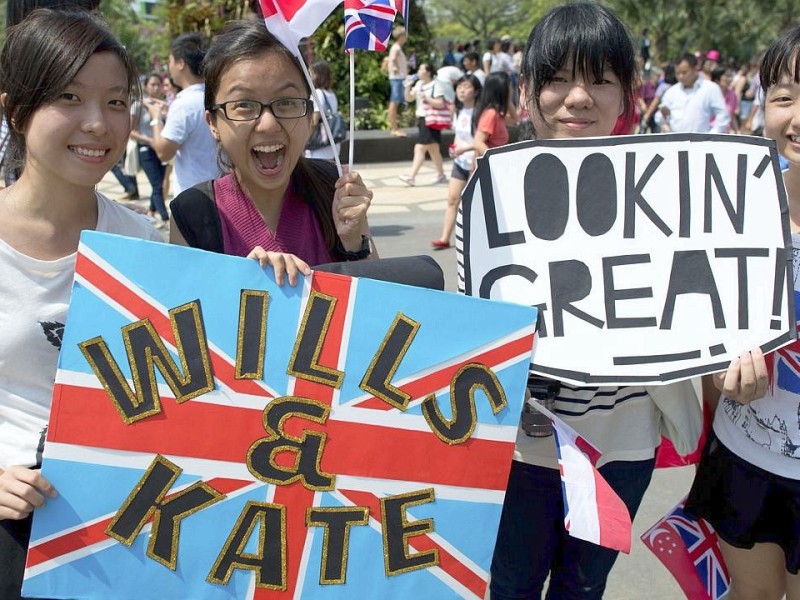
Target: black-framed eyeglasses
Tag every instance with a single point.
(250, 110)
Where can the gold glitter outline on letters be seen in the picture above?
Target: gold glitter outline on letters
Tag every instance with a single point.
(415, 325)
(216, 496)
(276, 435)
(176, 472)
(290, 370)
(406, 535)
(262, 343)
(167, 371)
(430, 401)
(326, 535)
(262, 534)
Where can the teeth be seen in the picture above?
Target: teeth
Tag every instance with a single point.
(794, 138)
(88, 152)
(272, 148)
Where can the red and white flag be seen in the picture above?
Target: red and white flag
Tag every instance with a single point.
(592, 510)
(292, 20)
(690, 551)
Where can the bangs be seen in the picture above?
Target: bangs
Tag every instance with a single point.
(782, 60)
(585, 36)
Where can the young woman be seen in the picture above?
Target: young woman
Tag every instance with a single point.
(493, 111)
(748, 482)
(324, 100)
(578, 77)
(468, 89)
(273, 203)
(142, 132)
(66, 85)
(427, 93)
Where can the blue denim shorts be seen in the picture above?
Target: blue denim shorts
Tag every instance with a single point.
(397, 93)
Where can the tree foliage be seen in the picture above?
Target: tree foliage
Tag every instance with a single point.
(484, 19)
(739, 29)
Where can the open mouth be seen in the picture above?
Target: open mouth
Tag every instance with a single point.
(269, 157)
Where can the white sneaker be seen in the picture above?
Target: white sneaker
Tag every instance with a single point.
(407, 179)
(440, 179)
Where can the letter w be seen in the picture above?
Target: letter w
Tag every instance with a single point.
(147, 352)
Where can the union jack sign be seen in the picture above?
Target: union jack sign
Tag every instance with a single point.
(214, 435)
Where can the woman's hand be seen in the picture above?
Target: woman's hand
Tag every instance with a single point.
(282, 263)
(350, 204)
(22, 490)
(156, 108)
(746, 378)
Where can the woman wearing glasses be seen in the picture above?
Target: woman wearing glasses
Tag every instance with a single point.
(272, 204)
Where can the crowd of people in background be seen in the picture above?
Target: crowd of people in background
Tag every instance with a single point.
(731, 105)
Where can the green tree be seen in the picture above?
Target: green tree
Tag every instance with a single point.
(737, 28)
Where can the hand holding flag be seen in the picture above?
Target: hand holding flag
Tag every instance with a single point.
(690, 551)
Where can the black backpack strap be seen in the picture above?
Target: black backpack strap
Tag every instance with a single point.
(195, 214)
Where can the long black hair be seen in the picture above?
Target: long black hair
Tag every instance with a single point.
(588, 36)
(781, 59)
(495, 94)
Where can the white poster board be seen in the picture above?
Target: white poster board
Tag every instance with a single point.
(651, 258)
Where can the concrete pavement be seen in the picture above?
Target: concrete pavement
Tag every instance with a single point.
(404, 220)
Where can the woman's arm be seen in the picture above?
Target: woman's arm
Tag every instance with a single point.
(411, 92)
(480, 143)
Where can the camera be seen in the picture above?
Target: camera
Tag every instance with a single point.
(545, 391)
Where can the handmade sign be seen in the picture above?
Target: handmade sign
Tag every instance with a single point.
(650, 258)
(214, 435)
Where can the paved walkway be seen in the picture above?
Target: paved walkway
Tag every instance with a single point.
(403, 221)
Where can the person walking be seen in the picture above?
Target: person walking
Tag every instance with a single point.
(462, 151)
(149, 161)
(427, 93)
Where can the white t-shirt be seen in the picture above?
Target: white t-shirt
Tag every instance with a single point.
(463, 136)
(33, 307)
(767, 432)
(196, 160)
(698, 109)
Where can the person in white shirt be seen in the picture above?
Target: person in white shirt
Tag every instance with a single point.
(67, 86)
(185, 135)
(694, 104)
(472, 66)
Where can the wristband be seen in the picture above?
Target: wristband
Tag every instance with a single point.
(359, 254)
(155, 122)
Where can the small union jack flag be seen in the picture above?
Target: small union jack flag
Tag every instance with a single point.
(690, 551)
(784, 363)
(368, 24)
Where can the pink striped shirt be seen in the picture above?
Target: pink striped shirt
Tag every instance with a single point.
(243, 228)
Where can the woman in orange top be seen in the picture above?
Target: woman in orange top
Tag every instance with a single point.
(493, 112)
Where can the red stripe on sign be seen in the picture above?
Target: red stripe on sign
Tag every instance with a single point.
(339, 287)
(428, 384)
(86, 537)
(390, 453)
(222, 367)
(420, 543)
(193, 428)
